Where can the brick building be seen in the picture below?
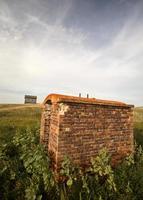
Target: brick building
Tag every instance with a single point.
(80, 127)
(30, 99)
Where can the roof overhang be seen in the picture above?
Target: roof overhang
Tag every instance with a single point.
(58, 98)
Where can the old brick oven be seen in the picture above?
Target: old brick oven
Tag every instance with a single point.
(80, 127)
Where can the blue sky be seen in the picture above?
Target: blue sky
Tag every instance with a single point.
(71, 47)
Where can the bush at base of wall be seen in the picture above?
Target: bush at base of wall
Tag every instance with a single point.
(25, 174)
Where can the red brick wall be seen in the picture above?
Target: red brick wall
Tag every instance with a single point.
(85, 129)
(80, 130)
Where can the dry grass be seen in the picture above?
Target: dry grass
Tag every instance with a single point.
(18, 116)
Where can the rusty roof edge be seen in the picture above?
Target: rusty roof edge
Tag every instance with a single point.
(96, 103)
(57, 98)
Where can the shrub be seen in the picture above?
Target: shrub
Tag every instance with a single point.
(25, 173)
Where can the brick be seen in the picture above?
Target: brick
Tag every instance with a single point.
(80, 127)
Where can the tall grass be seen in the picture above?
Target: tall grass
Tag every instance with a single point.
(17, 119)
(138, 125)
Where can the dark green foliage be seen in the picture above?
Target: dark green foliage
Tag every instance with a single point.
(25, 173)
(138, 135)
(24, 168)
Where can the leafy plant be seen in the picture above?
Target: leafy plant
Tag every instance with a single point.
(26, 174)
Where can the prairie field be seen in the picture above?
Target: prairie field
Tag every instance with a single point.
(138, 125)
(18, 116)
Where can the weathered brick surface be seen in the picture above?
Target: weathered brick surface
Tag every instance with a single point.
(45, 125)
(80, 127)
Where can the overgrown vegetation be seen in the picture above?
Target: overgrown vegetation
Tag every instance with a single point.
(25, 168)
(138, 125)
(25, 173)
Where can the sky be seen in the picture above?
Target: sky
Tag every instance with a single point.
(71, 47)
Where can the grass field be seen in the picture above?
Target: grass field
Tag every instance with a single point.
(138, 125)
(17, 116)
(21, 116)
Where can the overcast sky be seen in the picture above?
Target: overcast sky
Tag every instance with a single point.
(71, 47)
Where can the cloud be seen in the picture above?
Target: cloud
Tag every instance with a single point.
(119, 65)
(39, 55)
(27, 63)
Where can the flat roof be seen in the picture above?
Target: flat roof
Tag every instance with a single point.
(30, 96)
(59, 98)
